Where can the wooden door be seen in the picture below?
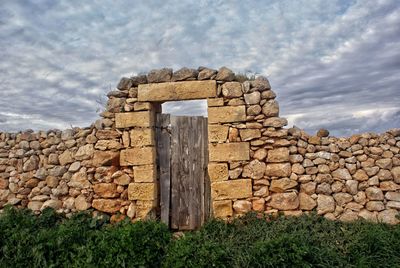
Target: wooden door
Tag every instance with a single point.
(182, 149)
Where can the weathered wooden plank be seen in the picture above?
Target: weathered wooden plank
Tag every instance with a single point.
(185, 174)
(175, 172)
(164, 161)
(196, 172)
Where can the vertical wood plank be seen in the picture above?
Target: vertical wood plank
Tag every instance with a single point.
(185, 174)
(164, 161)
(196, 170)
(175, 170)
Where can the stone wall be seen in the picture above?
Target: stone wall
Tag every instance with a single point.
(254, 162)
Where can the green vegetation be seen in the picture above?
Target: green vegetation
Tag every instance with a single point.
(49, 240)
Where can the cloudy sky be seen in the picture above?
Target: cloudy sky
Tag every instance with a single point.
(333, 64)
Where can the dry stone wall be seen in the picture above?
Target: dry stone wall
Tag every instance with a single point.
(255, 164)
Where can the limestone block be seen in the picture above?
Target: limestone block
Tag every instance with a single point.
(142, 137)
(138, 156)
(213, 102)
(218, 171)
(249, 134)
(226, 114)
(217, 133)
(142, 191)
(134, 119)
(222, 209)
(225, 152)
(107, 205)
(145, 209)
(231, 189)
(142, 106)
(278, 155)
(278, 169)
(146, 173)
(174, 91)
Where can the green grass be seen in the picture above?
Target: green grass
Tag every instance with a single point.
(50, 240)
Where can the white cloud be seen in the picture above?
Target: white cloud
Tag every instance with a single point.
(327, 60)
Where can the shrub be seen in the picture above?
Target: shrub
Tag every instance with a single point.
(50, 240)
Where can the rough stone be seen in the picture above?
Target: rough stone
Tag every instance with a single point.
(389, 216)
(342, 174)
(325, 203)
(31, 164)
(84, 152)
(124, 179)
(206, 74)
(242, 206)
(184, 74)
(255, 170)
(360, 175)
(252, 98)
(81, 204)
(52, 203)
(159, 75)
(271, 108)
(384, 163)
(65, 158)
(225, 74)
(284, 201)
(232, 90)
(374, 193)
(306, 202)
(375, 206)
(276, 122)
(278, 155)
(396, 174)
(106, 190)
(35, 205)
(342, 198)
(281, 185)
(278, 169)
(107, 205)
(323, 132)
